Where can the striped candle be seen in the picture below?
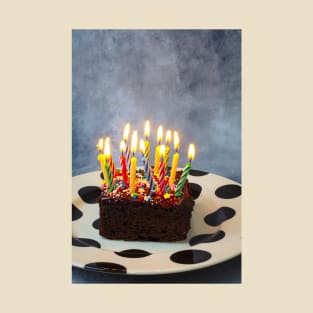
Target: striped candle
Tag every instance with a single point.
(162, 170)
(157, 152)
(175, 159)
(149, 174)
(109, 176)
(147, 143)
(112, 166)
(127, 149)
(107, 154)
(123, 163)
(101, 159)
(183, 177)
(182, 180)
(128, 155)
(147, 150)
(146, 164)
(110, 160)
(167, 149)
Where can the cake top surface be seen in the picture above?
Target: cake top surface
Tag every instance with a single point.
(142, 191)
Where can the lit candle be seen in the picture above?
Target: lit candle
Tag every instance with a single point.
(101, 159)
(146, 164)
(123, 163)
(111, 162)
(133, 164)
(183, 177)
(162, 170)
(147, 144)
(107, 167)
(175, 159)
(167, 149)
(125, 137)
(100, 145)
(157, 152)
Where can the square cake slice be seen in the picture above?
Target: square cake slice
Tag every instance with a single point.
(162, 220)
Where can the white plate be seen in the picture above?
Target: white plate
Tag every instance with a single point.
(214, 237)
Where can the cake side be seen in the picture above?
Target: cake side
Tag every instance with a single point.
(165, 219)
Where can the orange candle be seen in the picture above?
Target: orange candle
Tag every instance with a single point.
(175, 159)
(147, 144)
(133, 164)
(157, 152)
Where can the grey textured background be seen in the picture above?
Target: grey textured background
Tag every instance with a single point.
(188, 80)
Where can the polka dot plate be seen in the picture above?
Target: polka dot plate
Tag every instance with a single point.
(214, 237)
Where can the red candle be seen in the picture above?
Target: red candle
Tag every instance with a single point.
(162, 170)
(123, 163)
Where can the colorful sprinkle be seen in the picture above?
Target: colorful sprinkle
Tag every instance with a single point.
(166, 196)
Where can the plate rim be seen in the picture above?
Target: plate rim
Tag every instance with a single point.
(166, 270)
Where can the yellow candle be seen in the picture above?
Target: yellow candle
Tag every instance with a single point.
(101, 159)
(157, 151)
(167, 148)
(107, 155)
(175, 159)
(147, 144)
(133, 164)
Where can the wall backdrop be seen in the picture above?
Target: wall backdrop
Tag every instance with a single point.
(185, 80)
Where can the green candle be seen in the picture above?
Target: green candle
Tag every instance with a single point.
(182, 180)
(183, 177)
(109, 182)
(109, 175)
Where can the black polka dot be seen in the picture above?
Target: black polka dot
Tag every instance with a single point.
(195, 190)
(101, 175)
(133, 253)
(193, 172)
(219, 216)
(228, 191)
(76, 213)
(85, 242)
(95, 224)
(206, 238)
(190, 256)
(89, 194)
(106, 267)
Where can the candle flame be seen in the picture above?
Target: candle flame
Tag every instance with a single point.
(126, 132)
(168, 137)
(122, 146)
(147, 129)
(134, 142)
(160, 134)
(100, 144)
(191, 152)
(107, 141)
(107, 147)
(162, 150)
(176, 140)
(142, 146)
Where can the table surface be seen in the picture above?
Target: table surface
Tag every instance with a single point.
(225, 272)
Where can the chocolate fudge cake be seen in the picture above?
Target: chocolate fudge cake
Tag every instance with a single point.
(145, 215)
